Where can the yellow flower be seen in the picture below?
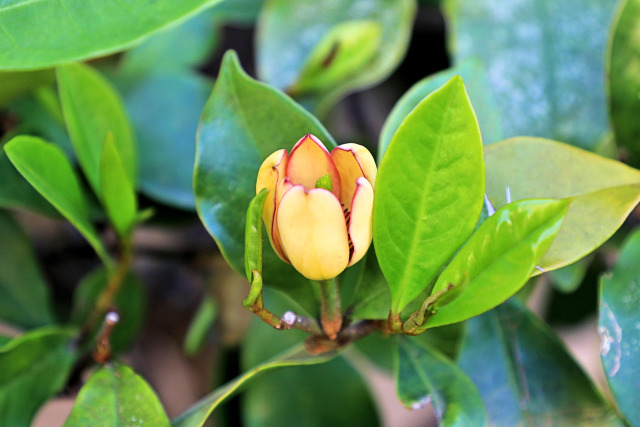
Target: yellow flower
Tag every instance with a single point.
(320, 231)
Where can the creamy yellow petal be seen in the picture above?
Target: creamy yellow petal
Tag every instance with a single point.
(360, 220)
(271, 177)
(309, 161)
(313, 232)
(353, 161)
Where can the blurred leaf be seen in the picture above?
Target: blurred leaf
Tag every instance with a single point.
(116, 396)
(372, 298)
(198, 413)
(118, 195)
(165, 107)
(239, 11)
(92, 108)
(16, 192)
(623, 78)
(567, 279)
(4, 340)
(186, 45)
(619, 328)
(129, 302)
(46, 167)
(544, 59)
(525, 375)
(604, 191)
(243, 122)
(429, 188)
(289, 30)
(480, 95)
(498, 258)
(35, 366)
(302, 395)
(14, 84)
(78, 30)
(24, 295)
(338, 56)
(424, 376)
(200, 326)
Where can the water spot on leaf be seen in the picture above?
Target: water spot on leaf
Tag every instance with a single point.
(610, 340)
(420, 403)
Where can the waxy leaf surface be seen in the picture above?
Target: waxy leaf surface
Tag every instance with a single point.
(604, 191)
(429, 191)
(546, 70)
(619, 328)
(525, 375)
(117, 396)
(499, 258)
(54, 32)
(425, 376)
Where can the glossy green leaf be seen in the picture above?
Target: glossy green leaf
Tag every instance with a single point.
(498, 258)
(604, 191)
(197, 414)
(372, 299)
(301, 395)
(76, 29)
(24, 296)
(200, 326)
(92, 108)
(165, 107)
(49, 171)
(424, 376)
(14, 84)
(35, 366)
(253, 235)
(477, 85)
(16, 192)
(176, 48)
(129, 302)
(567, 279)
(429, 191)
(338, 56)
(243, 122)
(117, 396)
(298, 26)
(545, 62)
(619, 328)
(525, 375)
(118, 195)
(623, 78)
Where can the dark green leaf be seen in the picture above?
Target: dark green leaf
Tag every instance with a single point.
(200, 326)
(499, 258)
(35, 366)
(301, 395)
(13, 85)
(186, 45)
(197, 414)
(372, 299)
(117, 396)
(165, 108)
(424, 376)
(243, 122)
(476, 83)
(604, 191)
(129, 302)
(298, 26)
(619, 328)
(525, 375)
(545, 62)
(239, 11)
(92, 108)
(253, 235)
(118, 195)
(76, 29)
(429, 191)
(623, 78)
(49, 171)
(24, 296)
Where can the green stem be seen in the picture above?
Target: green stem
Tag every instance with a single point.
(331, 315)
